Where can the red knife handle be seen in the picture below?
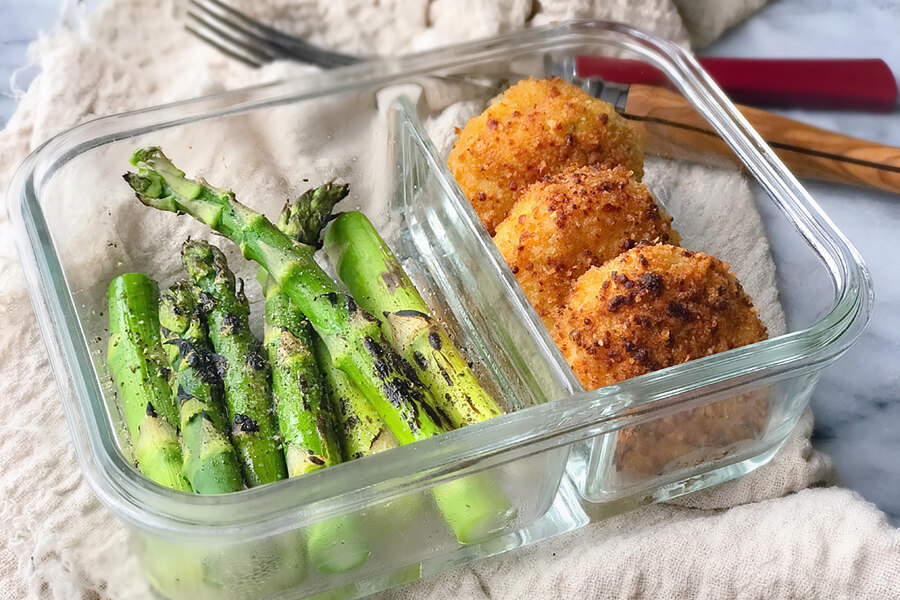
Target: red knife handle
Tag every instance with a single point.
(859, 84)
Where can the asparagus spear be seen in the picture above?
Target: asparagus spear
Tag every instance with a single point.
(354, 339)
(363, 433)
(378, 282)
(473, 506)
(304, 218)
(267, 567)
(210, 463)
(306, 424)
(246, 372)
(361, 430)
(139, 366)
(301, 402)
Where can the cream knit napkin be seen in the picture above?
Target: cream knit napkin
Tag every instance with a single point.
(58, 542)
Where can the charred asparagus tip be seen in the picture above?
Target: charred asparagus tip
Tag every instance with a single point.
(303, 219)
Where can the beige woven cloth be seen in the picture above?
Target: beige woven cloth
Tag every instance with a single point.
(58, 542)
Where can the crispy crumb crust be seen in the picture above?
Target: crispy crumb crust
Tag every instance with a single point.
(566, 224)
(538, 127)
(654, 307)
(650, 308)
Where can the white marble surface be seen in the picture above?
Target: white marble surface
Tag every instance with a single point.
(857, 403)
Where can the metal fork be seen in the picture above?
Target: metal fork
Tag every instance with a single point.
(242, 37)
(246, 39)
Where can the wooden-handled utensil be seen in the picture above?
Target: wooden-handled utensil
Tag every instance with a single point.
(671, 126)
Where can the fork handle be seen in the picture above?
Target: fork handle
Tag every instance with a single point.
(670, 125)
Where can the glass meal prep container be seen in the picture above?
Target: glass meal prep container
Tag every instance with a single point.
(559, 448)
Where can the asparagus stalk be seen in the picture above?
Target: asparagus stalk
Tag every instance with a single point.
(301, 402)
(139, 366)
(306, 426)
(304, 218)
(210, 463)
(473, 506)
(304, 418)
(353, 336)
(363, 433)
(246, 372)
(381, 286)
(267, 567)
(361, 430)
(337, 544)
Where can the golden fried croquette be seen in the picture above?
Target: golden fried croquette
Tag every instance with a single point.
(654, 307)
(650, 308)
(564, 225)
(538, 127)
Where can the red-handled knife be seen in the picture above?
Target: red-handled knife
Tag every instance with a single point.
(669, 125)
(858, 84)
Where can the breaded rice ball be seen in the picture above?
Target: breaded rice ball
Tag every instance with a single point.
(650, 308)
(654, 307)
(538, 127)
(566, 224)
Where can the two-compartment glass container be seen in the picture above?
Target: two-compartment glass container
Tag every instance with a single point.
(77, 226)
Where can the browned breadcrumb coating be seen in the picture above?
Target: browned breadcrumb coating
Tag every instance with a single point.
(649, 308)
(538, 127)
(564, 225)
(654, 307)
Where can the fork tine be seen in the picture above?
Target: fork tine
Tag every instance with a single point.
(237, 18)
(267, 50)
(227, 45)
(279, 43)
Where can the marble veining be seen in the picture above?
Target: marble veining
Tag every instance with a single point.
(857, 402)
